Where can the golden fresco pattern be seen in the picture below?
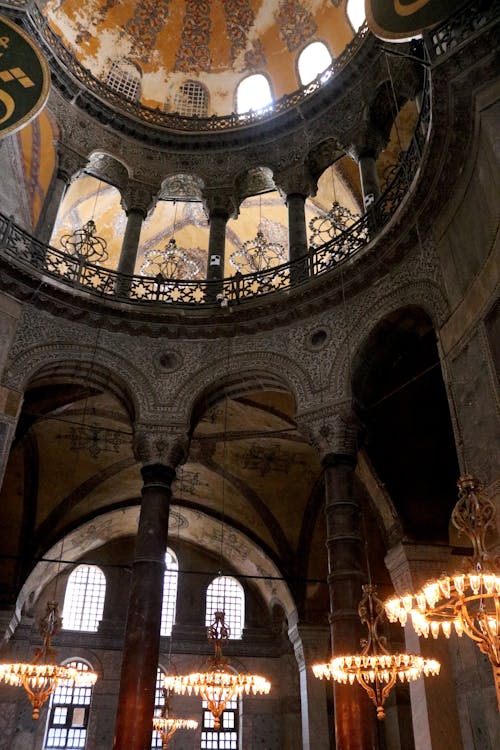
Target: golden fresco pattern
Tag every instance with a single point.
(217, 42)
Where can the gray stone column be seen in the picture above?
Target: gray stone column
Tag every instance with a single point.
(159, 453)
(370, 184)
(220, 205)
(69, 166)
(311, 643)
(436, 722)
(295, 185)
(137, 200)
(335, 438)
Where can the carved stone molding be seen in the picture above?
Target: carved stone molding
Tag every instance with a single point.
(295, 179)
(69, 163)
(136, 196)
(220, 201)
(331, 430)
(160, 445)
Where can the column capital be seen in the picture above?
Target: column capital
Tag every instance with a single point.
(334, 434)
(219, 201)
(295, 179)
(69, 163)
(137, 196)
(160, 445)
(367, 141)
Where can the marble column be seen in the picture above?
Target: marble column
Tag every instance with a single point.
(335, 438)
(69, 166)
(296, 184)
(160, 454)
(435, 718)
(137, 200)
(370, 184)
(310, 643)
(220, 205)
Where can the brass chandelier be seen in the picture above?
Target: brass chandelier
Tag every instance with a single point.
(467, 601)
(85, 244)
(217, 684)
(375, 669)
(167, 724)
(42, 676)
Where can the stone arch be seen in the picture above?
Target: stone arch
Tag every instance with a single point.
(424, 294)
(244, 372)
(106, 167)
(83, 363)
(194, 526)
(254, 181)
(323, 155)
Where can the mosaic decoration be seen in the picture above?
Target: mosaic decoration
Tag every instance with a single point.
(150, 16)
(194, 52)
(239, 20)
(296, 24)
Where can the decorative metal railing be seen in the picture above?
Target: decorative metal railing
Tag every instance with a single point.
(19, 248)
(472, 19)
(172, 120)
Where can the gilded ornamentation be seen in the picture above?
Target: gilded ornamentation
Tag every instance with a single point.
(296, 23)
(194, 50)
(239, 20)
(148, 20)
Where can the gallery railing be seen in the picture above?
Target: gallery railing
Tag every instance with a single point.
(19, 248)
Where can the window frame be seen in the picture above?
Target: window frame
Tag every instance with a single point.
(79, 604)
(209, 612)
(176, 94)
(252, 111)
(70, 707)
(207, 728)
(297, 61)
(126, 77)
(164, 604)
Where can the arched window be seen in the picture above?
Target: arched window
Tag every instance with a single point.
(356, 13)
(84, 599)
(226, 594)
(253, 93)
(69, 714)
(159, 703)
(169, 593)
(124, 78)
(191, 100)
(313, 60)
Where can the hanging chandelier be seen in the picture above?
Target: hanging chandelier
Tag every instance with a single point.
(327, 227)
(469, 600)
(170, 263)
(85, 244)
(218, 684)
(42, 676)
(258, 254)
(375, 669)
(167, 725)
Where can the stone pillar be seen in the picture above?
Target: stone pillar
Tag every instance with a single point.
(69, 166)
(220, 206)
(159, 454)
(335, 439)
(436, 722)
(295, 185)
(310, 643)
(370, 184)
(137, 200)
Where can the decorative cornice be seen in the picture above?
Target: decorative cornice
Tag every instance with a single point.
(159, 446)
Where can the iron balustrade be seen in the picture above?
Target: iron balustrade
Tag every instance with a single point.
(21, 249)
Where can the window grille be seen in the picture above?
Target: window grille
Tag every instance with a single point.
(227, 595)
(253, 93)
(159, 703)
(169, 593)
(191, 100)
(84, 599)
(227, 737)
(69, 715)
(313, 60)
(124, 78)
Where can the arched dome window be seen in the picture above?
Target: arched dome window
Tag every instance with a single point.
(253, 93)
(124, 78)
(191, 99)
(169, 593)
(226, 594)
(356, 13)
(313, 60)
(68, 715)
(84, 599)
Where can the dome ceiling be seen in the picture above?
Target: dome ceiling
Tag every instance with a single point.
(217, 42)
